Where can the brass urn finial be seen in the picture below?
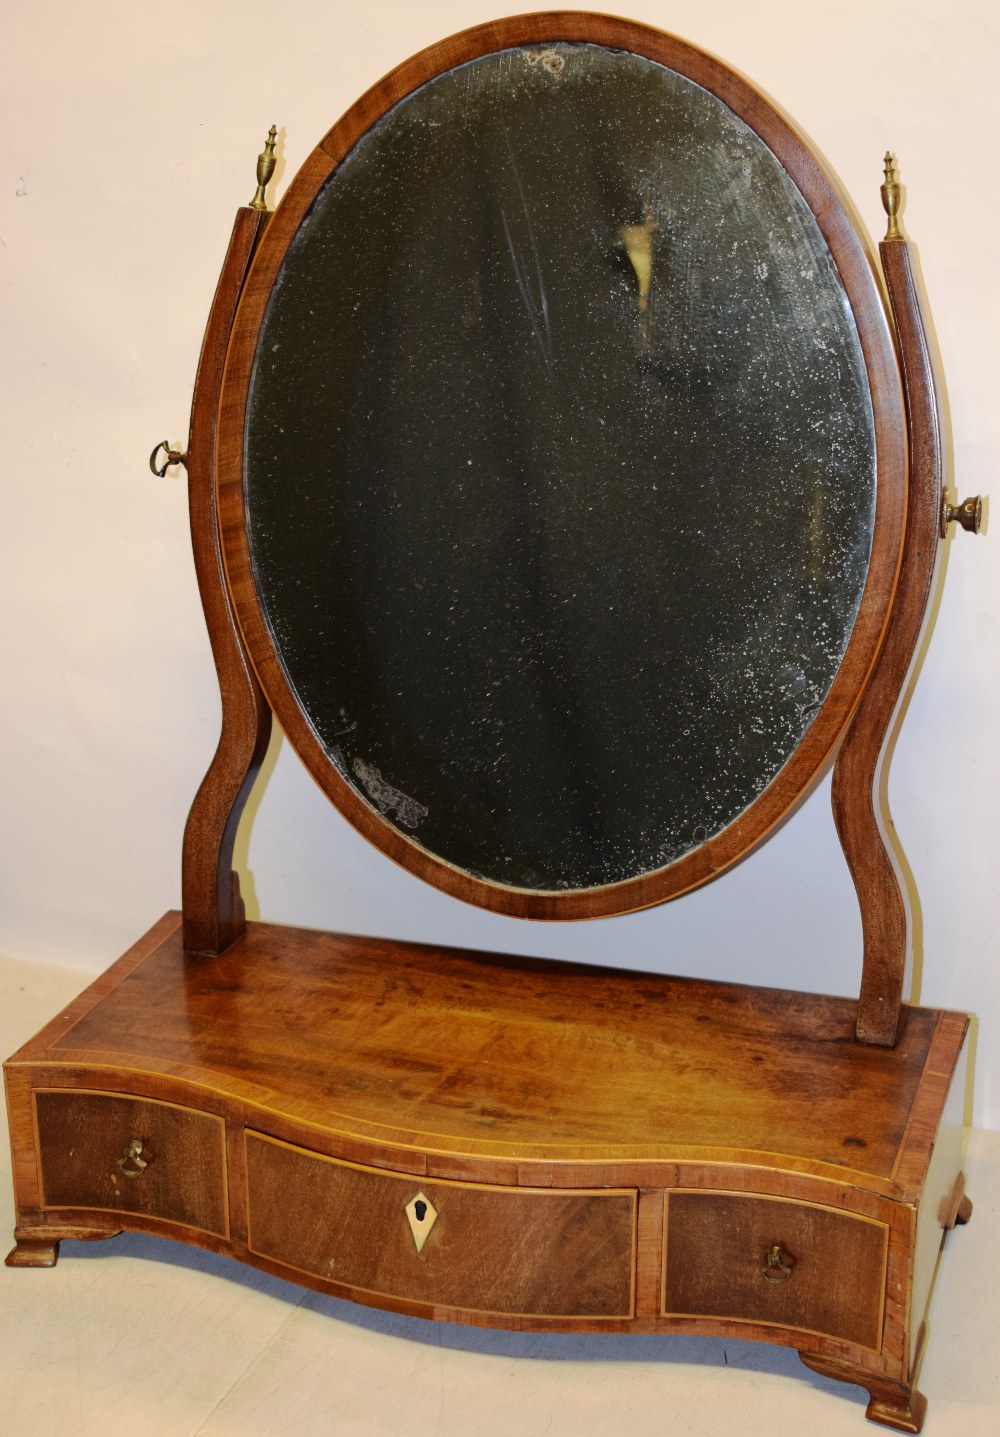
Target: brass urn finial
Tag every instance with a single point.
(890, 193)
(265, 169)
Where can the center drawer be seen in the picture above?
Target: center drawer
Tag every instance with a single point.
(539, 1252)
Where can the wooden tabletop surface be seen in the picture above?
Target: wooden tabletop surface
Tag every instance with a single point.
(505, 1057)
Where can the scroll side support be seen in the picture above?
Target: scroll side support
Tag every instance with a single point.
(857, 774)
(213, 908)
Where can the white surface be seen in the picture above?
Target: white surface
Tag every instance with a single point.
(129, 138)
(138, 1334)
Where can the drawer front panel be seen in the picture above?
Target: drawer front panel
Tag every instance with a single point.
(177, 1173)
(828, 1275)
(536, 1252)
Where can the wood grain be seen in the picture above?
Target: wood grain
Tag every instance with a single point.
(717, 1249)
(566, 1121)
(893, 1404)
(82, 1136)
(497, 1249)
(33, 1252)
(492, 1058)
(860, 804)
(607, 1150)
(38, 1246)
(213, 908)
(854, 264)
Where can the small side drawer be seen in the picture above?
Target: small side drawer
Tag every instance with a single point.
(827, 1277)
(178, 1173)
(529, 1251)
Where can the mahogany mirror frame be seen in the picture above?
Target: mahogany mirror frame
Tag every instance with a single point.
(885, 633)
(598, 1151)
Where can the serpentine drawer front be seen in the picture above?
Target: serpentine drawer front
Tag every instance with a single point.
(775, 1261)
(532, 1251)
(132, 1155)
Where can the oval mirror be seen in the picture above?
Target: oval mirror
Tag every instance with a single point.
(561, 466)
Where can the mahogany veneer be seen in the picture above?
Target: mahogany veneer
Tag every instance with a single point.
(294, 1094)
(73, 1126)
(538, 1252)
(509, 1142)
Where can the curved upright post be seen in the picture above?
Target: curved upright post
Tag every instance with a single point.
(856, 776)
(213, 908)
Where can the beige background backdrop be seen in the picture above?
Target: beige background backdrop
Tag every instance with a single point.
(128, 139)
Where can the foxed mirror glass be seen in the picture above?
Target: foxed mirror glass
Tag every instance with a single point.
(559, 476)
(550, 483)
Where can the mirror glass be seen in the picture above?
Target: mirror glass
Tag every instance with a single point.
(559, 467)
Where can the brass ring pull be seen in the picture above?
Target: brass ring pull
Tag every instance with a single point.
(171, 457)
(132, 1164)
(776, 1269)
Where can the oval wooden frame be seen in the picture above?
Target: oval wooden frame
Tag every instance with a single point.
(854, 263)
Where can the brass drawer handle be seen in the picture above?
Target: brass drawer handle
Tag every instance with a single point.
(776, 1269)
(132, 1164)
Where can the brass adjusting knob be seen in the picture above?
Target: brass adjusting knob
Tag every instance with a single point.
(969, 514)
(170, 458)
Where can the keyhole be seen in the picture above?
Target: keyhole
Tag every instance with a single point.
(419, 1210)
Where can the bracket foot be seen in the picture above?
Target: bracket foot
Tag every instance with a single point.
(33, 1252)
(39, 1247)
(892, 1404)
